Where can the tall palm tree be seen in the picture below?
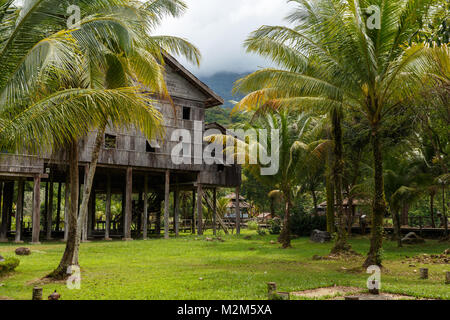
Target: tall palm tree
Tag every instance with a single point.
(294, 134)
(334, 57)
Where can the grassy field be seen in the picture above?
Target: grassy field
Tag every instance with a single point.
(192, 268)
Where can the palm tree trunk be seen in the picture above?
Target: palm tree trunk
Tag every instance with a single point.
(69, 258)
(285, 235)
(338, 169)
(444, 211)
(88, 187)
(379, 205)
(316, 209)
(433, 222)
(397, 228)
(330, 199)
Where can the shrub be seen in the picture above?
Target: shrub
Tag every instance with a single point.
(303, 224)
(261, 232)
(275, 226)
(252, 225)
(9, 265)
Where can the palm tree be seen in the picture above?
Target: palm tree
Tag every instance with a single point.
(294, 143)
(334, 58)
(57, 85)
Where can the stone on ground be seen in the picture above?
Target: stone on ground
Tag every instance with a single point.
(412, 238)
(320, 236)
(23, 251)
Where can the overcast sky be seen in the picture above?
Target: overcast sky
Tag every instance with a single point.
(219, 27)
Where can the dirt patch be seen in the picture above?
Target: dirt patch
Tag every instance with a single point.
(327, 292)
(44, 281)
(5, 298)
(428, 259)
(381, 296)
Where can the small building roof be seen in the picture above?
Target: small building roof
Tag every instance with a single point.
(356, 202)
(232, 196)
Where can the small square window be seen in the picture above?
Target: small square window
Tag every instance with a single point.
(149, 148)
(110, 141)
(186, 113)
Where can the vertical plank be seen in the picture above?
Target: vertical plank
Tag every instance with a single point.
(19, 211)
(4, 225)
(128, 204)
(194, 223)
(176, 214)
(49, 211)
(108, 208)
(145, 217)
(199, 209)
(166, 205)
(214, 211)
(238, 212)
(36, 209)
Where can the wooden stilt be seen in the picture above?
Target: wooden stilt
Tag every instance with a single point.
(176, 214)
(36, 210)
(214, 211)
(199, 209)
(46, 208)
(9, 206)
(49, 211)
(128, 204)
(166, 205)
(19, 210)
(91, 213)
(194, 220)
(238, 212)
(145, 213)
(108, 208)
(4, 225)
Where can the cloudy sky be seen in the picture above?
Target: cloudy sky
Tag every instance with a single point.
(219, 27)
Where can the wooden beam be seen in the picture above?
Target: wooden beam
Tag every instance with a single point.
(238, 212)
(145, 213)
(166, 205)
(176, 215)
(19, 211)
(199, 209)
(108, 208)
(36, 210)
(214, 211)
(49, 211)
(4, 225)
(128, 204)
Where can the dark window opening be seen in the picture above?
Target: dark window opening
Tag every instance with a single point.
(186, 113)
(149, 148)
(110, 141)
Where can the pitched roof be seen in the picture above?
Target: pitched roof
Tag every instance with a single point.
(213, 98)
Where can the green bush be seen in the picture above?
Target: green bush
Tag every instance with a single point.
(9, 265)
(275, 226)
(252, 225)
(303, 224)
(261, 232)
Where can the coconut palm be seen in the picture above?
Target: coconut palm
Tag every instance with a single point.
(339, 56)
(59, 84)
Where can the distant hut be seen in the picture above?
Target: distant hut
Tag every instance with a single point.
(244, 207)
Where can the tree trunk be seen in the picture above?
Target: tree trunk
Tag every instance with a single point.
(338, 170)
(330, 203)
(433, 222)
(405, 214)
(87, 189)
(316, 209)
(397, 228)
(285, 235)
(69, 257)
(379, 205)
(444, 212)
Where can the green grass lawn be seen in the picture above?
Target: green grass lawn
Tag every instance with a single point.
(234, 269)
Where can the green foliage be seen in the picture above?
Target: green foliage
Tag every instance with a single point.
(275, 226)
(252, 225)
(303, 224)
(9, 265)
